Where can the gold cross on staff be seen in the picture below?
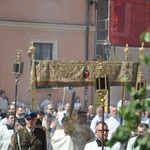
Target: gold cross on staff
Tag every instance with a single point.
(18, 55)
(141, 50)
(100, 58)
(19, 51)
(126, 52)
(31, 50)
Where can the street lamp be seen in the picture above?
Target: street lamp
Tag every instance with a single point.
(18, 66)
(17, 72)
(101, 91)
(141, 82)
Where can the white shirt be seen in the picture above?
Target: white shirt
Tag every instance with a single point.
(61, 116)
(29, 130)
(5, 137)
(130, 145)
(119, 104)
(77, 106)
(3, 121)
(145, 120)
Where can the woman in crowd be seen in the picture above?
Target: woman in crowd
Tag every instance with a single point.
(90, 114)
(77, 103)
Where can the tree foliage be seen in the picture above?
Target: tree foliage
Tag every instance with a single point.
(145, 36)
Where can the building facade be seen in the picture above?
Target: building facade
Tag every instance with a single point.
(61, 30)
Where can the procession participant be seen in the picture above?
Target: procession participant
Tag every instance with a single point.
(2, 115)
(77, 103)
(114, 113)
(50, 110)
(110, 110)
(64, 113)
(46, 123)
(45, 102)
(59, 111)
(82, 127)
(30, 137)
(67, 110)
(90, 115)
(4, 102)
(40, 115)
(11, 108)
(113, 122)
(6, 131)
(38, 124)
(97, 118)
(125, 102)
(97, 144)
(20, 122)
(19, 111)
(142, 130)
(146, 118)
(67, 138)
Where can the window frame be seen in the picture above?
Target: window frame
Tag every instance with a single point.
(54, 47)
(54, 57)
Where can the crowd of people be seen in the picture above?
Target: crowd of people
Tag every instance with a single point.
(62, 127)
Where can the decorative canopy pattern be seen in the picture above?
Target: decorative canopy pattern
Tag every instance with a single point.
(82, 73)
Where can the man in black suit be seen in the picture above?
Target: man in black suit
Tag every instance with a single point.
(30, 137)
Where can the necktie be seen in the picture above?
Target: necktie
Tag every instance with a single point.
(31, 133)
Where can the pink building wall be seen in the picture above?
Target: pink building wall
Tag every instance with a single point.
(59, 11)
(15, 33)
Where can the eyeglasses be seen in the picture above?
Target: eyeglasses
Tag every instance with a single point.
(51, 109)
(29, 119)
(141, 132)
(105, 130)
